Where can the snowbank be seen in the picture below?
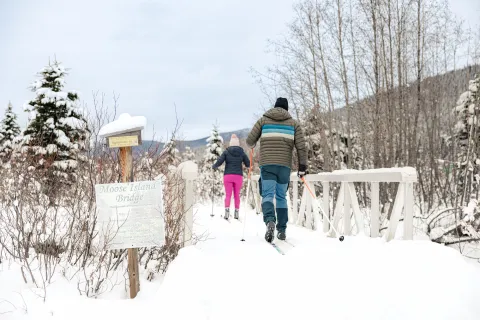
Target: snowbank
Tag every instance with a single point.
(124, 123)
(23, 301)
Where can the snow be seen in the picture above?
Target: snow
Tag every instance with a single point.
(62, 138)
(52, 148)
(464, 97)
(124, 123)
(51, 96)
(472, 120)
(39, 150)
(50, 123)
(74, 123)
(225, 278)
(473, 86)
(65, 164)
(399, 174)
(402, 170)
(469, 210)
(471, 108)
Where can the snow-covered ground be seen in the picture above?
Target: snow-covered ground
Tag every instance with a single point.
(318, 278)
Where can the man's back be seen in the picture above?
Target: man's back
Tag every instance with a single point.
(278, 134)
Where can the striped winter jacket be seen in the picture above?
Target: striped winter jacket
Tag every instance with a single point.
(278, 134)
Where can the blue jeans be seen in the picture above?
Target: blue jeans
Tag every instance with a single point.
(275, 180)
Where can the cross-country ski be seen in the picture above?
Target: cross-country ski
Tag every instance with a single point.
(273, 244)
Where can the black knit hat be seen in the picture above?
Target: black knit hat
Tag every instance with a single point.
(282, 103)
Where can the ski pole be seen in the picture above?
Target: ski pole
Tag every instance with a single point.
(248, 190)
(341, 238)
(213, 192)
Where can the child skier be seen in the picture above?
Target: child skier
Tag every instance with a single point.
(233, 157)
(278, 134)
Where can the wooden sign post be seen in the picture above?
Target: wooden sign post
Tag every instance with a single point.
(125, 133)
(126, 164)
(125, 142)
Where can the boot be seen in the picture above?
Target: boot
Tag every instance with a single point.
(281, 235)
(270, 231)
(235, 214)
(227, 213)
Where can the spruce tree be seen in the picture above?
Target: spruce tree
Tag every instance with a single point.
(212, 179)
(467, 137)
(467, 152)
(56, 134)
(170, 154)
(9, 131)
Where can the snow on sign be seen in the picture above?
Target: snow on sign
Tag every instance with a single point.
(130, 214)
(125, 123)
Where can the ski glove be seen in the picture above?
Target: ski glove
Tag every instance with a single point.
(302, 170)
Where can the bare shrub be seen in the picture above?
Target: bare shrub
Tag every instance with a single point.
(61, 230)
(158, 258)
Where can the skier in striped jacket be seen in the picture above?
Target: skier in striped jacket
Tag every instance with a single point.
(278, 133)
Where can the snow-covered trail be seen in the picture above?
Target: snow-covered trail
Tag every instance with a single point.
(225, 235)
(360, 278)
(319, 278)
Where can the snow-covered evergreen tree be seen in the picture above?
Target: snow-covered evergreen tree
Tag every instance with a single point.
(466, 224)
(188, 154)
(211, 180)
(467, 135)
(170, 154)
(9, 131)
(57, 132)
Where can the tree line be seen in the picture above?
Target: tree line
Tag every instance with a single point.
(376, 84)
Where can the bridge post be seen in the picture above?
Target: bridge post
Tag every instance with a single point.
(189, 172)
(336, 211)
(408, 212)
(326, 205)
(347, 226)
(396, 212)
(308, 212)
(255, 189)
(375, 210)
(256, 195)
(295, 201)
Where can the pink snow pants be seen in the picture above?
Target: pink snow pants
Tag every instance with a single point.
(232, 182)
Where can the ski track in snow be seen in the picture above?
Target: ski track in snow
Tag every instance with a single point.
(317, 278)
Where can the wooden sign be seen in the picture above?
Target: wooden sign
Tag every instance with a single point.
(129, 139)
(125, 141)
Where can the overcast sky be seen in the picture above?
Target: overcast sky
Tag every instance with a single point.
(154, 54)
